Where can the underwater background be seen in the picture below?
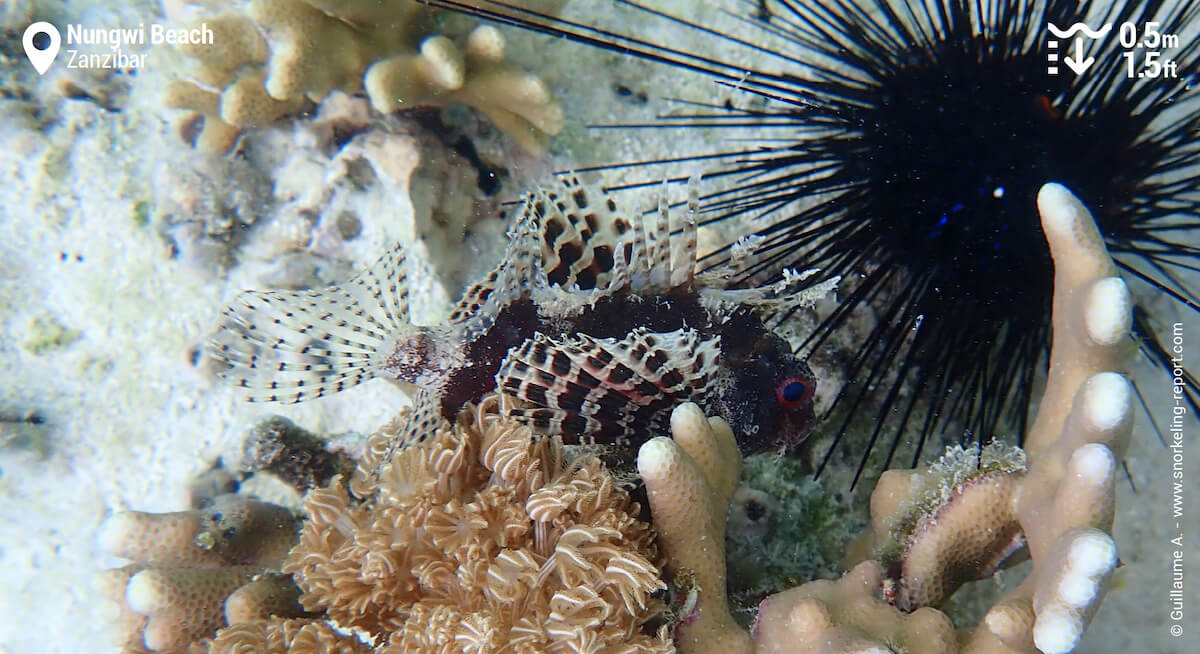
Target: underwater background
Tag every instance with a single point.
(122, 238)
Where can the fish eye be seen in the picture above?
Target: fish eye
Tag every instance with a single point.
(793, 392)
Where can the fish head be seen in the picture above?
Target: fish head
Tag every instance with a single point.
(768, 397)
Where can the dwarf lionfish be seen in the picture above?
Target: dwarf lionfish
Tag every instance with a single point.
(595, 319)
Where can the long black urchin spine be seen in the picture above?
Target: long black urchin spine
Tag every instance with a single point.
(901, 145)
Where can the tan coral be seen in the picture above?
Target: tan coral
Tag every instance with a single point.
(241, 45)
(924, 526)
(317, 45)
(186, 564)
(690, 480)
(182, 604)
(233, 530)
(481, 536)
(225, 85)
(1061, 503)
(1083, 425)
(843, 616)
(266, 596)
(517, 102)
(314, 47)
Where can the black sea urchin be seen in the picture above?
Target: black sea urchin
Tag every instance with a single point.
(902, 145)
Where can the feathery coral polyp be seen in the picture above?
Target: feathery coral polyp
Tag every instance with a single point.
(481, 536)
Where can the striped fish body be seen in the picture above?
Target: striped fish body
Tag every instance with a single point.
(612, 317)
(594, 321)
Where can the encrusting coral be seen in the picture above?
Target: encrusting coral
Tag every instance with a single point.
(387, 49)
(188, 564)
(1059, 503)
(481, 538)
(924, 523)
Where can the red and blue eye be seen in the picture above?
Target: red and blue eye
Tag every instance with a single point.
(794, 392)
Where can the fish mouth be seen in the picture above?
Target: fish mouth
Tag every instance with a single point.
(782, 433)
(794, 429)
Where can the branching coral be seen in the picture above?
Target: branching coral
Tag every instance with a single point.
(187, 564)
(841, 617)
(690, 481)
(481, 538)
(1060, 504)
(925, 523)
(313, 47)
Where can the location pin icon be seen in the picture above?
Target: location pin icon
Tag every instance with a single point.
(41, 51)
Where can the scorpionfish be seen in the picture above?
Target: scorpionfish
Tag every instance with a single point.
(596, 320)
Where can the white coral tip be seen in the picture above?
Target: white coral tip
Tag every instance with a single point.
(1108, 400)
(1093, 554)
(687, 421)
(1077, 590)
(144, 593)
(445, 64)
(1094, 462)
(1109, 311)
(486, 42)
(115, 532)
(1060, 209)
(1057, 631)
(656, 458)
(1000, 622)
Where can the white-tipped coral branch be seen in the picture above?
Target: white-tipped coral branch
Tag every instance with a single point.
(958, 519)
(690, 481)
(187, 564)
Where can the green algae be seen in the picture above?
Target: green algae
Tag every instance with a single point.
(141, 214)
(806, 529)
(45, 334)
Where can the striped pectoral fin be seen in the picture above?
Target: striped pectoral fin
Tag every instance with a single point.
(606, 390)
(422, 424)
(291, 346)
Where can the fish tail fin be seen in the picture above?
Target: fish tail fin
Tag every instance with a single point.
(292, 346)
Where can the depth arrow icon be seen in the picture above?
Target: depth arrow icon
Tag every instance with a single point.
(1077, 64)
